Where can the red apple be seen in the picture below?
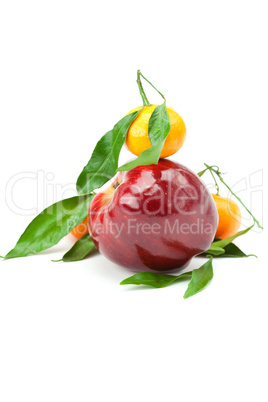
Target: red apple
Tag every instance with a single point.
(153, 218)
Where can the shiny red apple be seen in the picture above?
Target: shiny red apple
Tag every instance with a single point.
(153, 218)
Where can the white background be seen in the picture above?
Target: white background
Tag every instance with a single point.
(69, 332)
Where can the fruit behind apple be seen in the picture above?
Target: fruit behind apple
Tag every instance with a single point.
(154, 218)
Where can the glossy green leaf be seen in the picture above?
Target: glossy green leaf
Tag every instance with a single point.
(82, 248)
(232, 251)
(51, 225)
(153, 280)
(225, 248)
(215, 251)
(159, 127)
(200, 278)
(224, 242)
(103, 163)
(148, 157)
(218, 247)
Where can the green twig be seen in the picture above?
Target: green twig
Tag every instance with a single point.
(215, 181)
(144, 98)
(207, 168)
(241, 202)
(219, 174)
(142, 93)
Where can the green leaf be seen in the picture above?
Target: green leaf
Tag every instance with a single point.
(214, 250)
(232, 251)
(51, 225)
(80, 249)
(225, 248)
(148, 157)
(153, 280)
(103, 163)
(159, 127)
(200, 278)
(224, 242)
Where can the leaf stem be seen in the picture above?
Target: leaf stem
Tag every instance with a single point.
(207, 168)
(142, 93)
(241, 202)
(215, 181)
(219, 174)
(139, 74)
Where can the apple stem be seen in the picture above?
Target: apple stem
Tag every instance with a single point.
(144, 98)
(215, 169)
(116, 184)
